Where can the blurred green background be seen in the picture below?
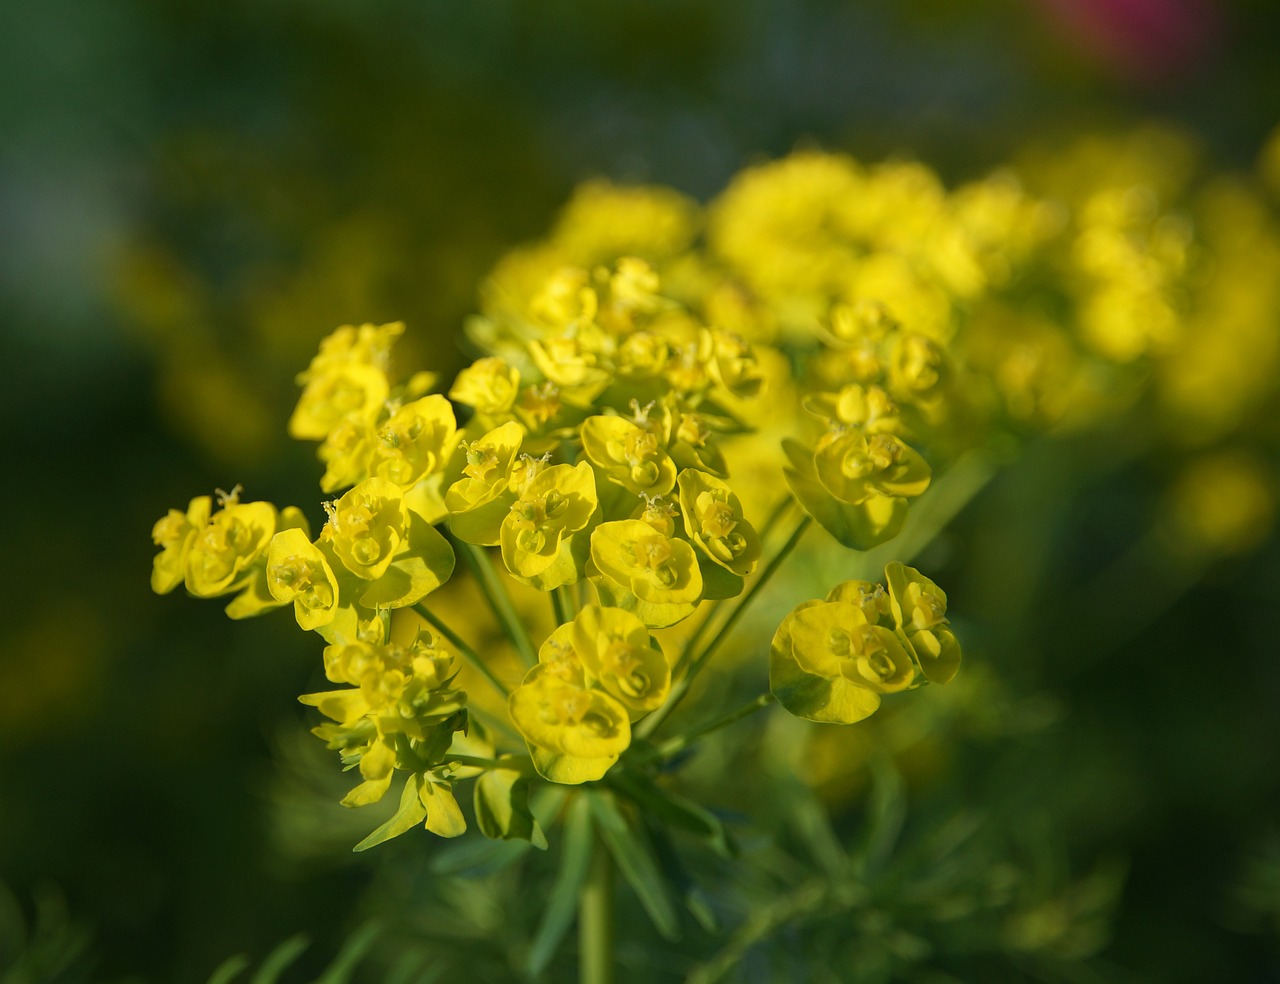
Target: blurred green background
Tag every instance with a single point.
(193, 193)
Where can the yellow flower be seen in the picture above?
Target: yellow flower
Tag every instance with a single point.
(713, 520)
(536, 535)
(367, 527)
(920, 611)
(574, 734)
(654, 576)
(415, 442)
(299, 572)
(223, 554)
(853, 466)
(489, 386)
(479, 501)
(399, 714)
(343, 392)
(620, 656)
(829, 664)
(628, 455)
(175, 534)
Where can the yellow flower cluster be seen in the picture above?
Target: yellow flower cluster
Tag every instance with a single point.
(832, 660)
(653, 378)
(399, 712)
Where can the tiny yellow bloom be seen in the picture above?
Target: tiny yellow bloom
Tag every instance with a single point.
(415, 442)
(619, 655)
(574, 734)
(628, 455)
(175, 534)
(299, 572)
(224, 553)
(367, 527)
(920, 611)
(552, 505)
(714, 521)
(654, 576)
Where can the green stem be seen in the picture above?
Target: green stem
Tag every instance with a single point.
(713, 609)
(512, 763)
(779, 511)
(499, 598)
(595, 918)
(469, 654)
(695, 664)
(673, 746)
(561, 605)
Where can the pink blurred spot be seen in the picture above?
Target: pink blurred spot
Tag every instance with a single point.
(1145, 40)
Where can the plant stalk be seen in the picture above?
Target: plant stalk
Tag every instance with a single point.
(596, 919)
(673, 746)
(695, 663)
(499, 598)
(469, 654)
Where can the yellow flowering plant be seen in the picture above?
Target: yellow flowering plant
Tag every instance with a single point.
(664, 400)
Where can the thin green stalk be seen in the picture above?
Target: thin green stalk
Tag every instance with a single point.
(561, 605)
(596, 919)
(512, 763)
(469, 654)
(499, 598)
(713, 609)
(695, 664)
(775, 517)
(673, 746)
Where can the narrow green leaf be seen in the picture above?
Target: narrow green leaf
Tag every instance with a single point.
(886, 811)
(412, 968)
(811, 822)
(229, 969)
(473, 856)
(635, 860)
(694, 899)
(353, 950)
(278, 959)
(675, 811)
(562, 903)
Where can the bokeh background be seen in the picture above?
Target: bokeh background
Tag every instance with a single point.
(193, 193)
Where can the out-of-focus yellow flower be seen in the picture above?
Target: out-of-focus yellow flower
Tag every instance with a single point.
(489, 386)
(1223, 502)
